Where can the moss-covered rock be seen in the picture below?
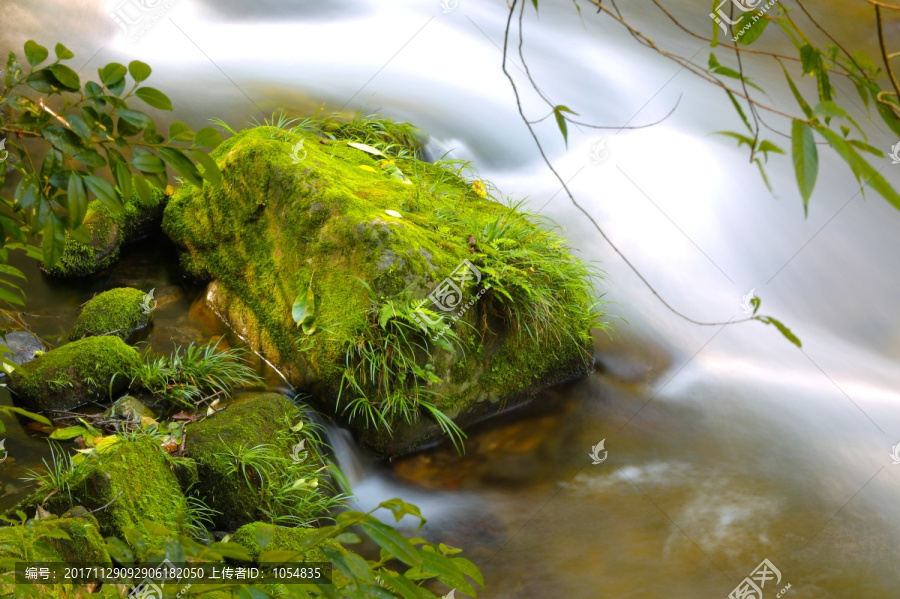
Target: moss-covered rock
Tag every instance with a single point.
(52, 539)
(275, 229)
(109, 232)
(73, 374)
(248, 421)
(134, 479)
(118, 312)
(281, 538)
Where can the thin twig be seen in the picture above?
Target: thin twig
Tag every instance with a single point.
(108, 504)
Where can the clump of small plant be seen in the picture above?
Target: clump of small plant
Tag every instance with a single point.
(60, 476)
(292, 487)
(383, 376)
(193, 373)
(535, 282)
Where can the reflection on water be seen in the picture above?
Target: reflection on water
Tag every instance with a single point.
(725, 447)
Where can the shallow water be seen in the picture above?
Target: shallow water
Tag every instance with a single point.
(725, 447)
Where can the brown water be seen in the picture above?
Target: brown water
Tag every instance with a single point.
(724, 447)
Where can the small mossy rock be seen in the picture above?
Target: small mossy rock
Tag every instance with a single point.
(45, 541)
(25, 348)
(249, 420)
(118, 312)
(129, 408)
(281, 538)
(109, 232)
(73, 374)
(136, 481)
(275, 229)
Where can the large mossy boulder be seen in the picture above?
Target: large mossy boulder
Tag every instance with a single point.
(74, 374)
(349, 242)
(246, 422)
(120, 312)
(109, 231)
(133, 481)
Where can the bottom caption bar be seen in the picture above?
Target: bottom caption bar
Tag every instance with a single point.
(166, 572)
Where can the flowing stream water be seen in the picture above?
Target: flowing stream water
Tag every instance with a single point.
(726, 445)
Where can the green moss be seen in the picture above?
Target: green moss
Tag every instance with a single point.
(74, 374)
(276, 227)
(251, 420)
(282, 539)
(136, 480)
(118, 311)
(109, 231)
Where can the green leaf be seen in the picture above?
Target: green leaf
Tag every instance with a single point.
(154, 98)
(445, 570)
(105, 192)
(80, 127)
(66, 76)
(27, 414)
(182, 165)
(207, 138)
(142, 189)
(136, 117)
(806, 160)
(798, 96)
(64, 140)
(350, 564)
(148, 163)
(781, 329)
(211, 172)
(400, 509)
(393, 542)
(178, 131)
(70, 432)
(63, 53)
(755, 30)
(54, 241)
(112, 73)
(561, 121)
(77, 200)
(123, 179)
(303, 310)
(861, 169)
(139, 70)
(35, 53)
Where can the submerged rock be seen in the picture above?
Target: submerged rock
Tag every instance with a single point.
(109, 232)
(120, 312)
(315, 242)
(129, 408)
(25, 347)
(74, 374)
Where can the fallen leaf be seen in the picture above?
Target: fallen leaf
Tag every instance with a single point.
(393, 213)
(366, 148)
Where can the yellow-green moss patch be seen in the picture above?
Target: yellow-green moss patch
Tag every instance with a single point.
(118, 312)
